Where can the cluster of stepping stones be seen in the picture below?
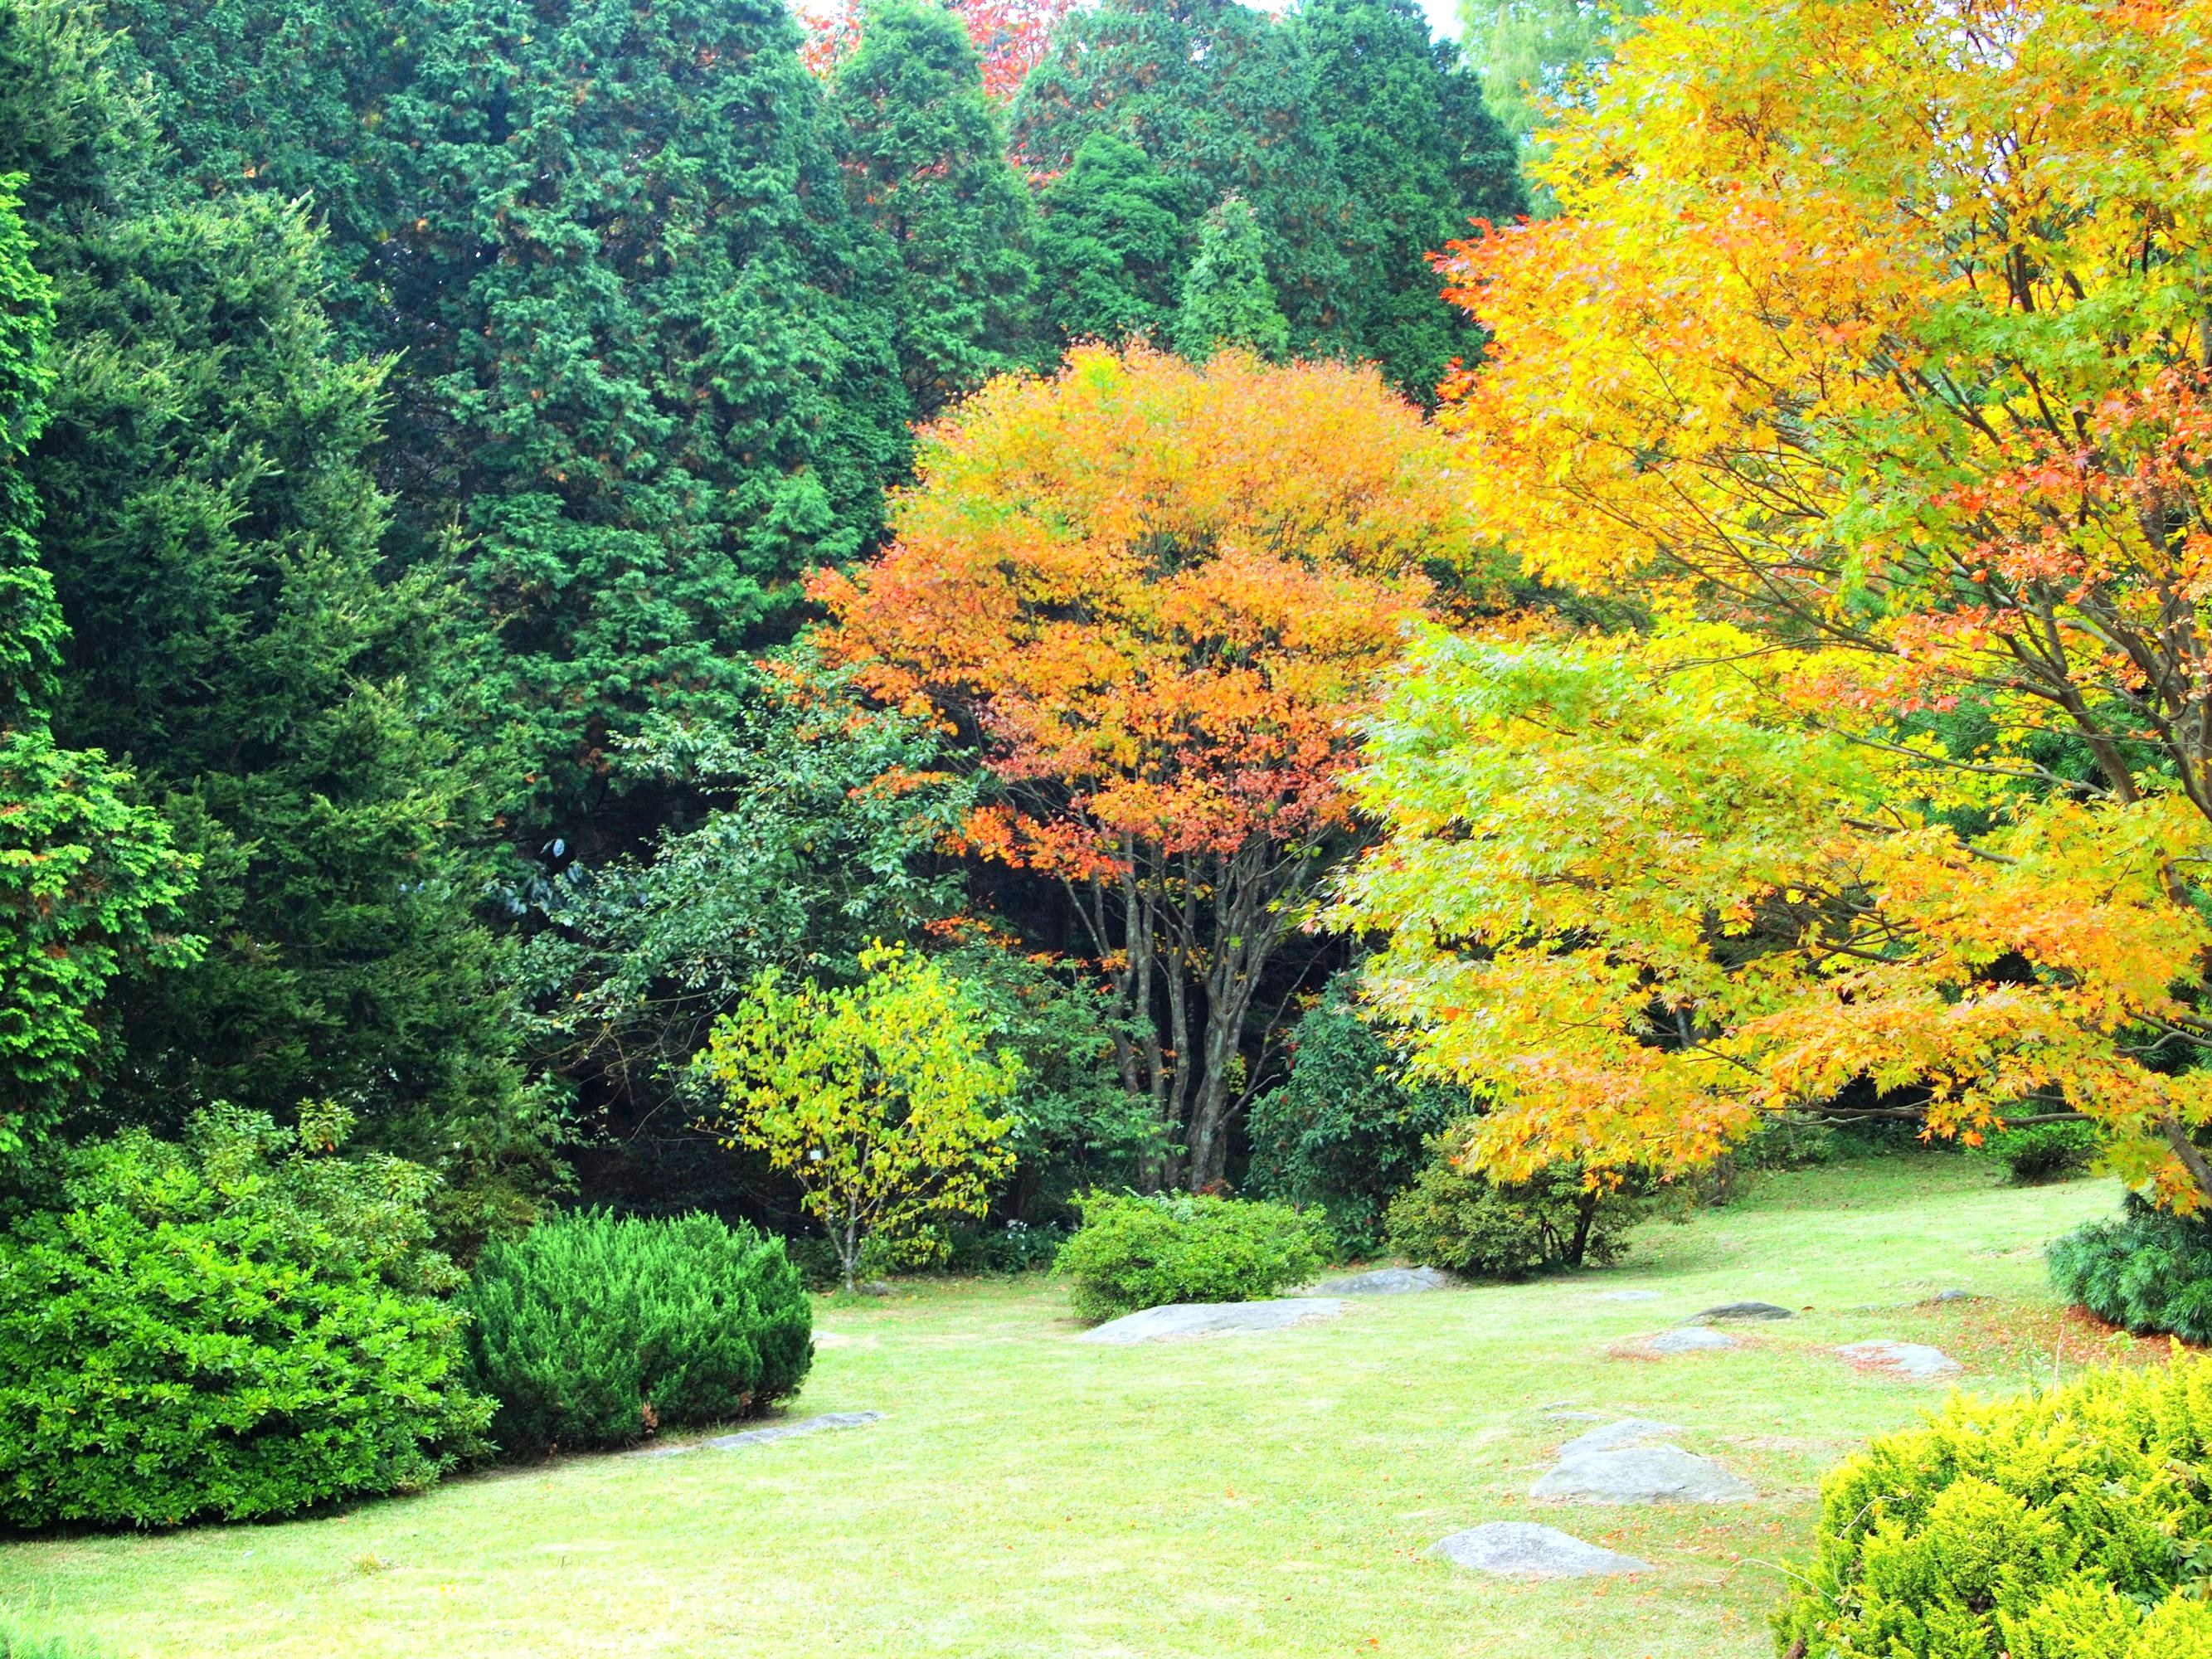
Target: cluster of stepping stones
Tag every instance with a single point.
(1630, 1461)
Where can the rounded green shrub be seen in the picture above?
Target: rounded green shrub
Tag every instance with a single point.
(2149, 1271)
(1134, 1252)
(2037, 1152)
(241, 1324)
(2064, 1526)
(595, 1330)
(1455, 1218)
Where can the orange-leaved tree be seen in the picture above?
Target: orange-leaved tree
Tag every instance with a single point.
(1868, 359)
(1154, 597)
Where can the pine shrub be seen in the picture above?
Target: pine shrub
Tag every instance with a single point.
(594, 1330)
(2064, 1526)
(238, 1325)
(2149, 1271)
(1144, 1252)
(1455, 1218)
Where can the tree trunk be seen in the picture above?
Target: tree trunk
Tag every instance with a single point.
(1585, 1214)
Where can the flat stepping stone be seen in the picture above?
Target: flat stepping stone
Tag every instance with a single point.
(1521, 1549)
(1183, 1319)
(1387, 1282)
(1625, 1462)
(1627, 1296)
(1746, 1310)
(774, 1431)
(1691, 1338)
(1906, 1359)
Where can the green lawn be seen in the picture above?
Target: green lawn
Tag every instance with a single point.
(1267, 1495)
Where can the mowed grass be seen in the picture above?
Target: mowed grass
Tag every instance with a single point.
(1275, 1495)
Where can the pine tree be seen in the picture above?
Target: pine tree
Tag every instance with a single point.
(1422, 157)
(648, 349)
(1222, 99)
(1226, 300)
(925, 164)
(1109, 245)
(211, 515)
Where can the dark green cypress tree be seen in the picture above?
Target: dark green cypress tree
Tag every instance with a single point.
(1421, 157)
(209, 514)
(649, 348)
(1226, 301)
(925, 164)
(1109, 245)
(1222, 99)
(89, 879)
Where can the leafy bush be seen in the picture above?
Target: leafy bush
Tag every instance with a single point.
(1019, 1246)
(1456, 1218)
(2149, 1271)
(2038, 1152)
(593, 1329)
(2060, 1527)
(1345, 1131)
(239, 1324)
(1133, 1252)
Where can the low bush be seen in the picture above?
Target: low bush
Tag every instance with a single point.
(1346, 1131)
(595, 1330)
(1133, 1252)
(2038, 1152)
(2149, 1271)
(1455, 1218)
(2065, 1526)
(236, 1325)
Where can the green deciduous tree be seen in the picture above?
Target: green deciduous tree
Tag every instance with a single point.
(1530, 54)
(1227, 298)
(925, 164)
(882, 1102)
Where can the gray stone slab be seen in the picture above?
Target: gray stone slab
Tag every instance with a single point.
(1691, 1338)
(1627, 1296)
(1387, 1282)
(1521, 1549)
(772, 1432)
(1906, 1359)
(1625, 1462)
(1746, 1310)
(1213, 1318)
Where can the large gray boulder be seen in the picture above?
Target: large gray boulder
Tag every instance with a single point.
(1213, 1319)
(1521, 1549)
(1626, 1462)
(1387, 1282)
(1906, 1359)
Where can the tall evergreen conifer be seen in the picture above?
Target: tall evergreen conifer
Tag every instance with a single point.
(926, 165)
(1226, 301)
(207, 509)
(1422, 157)
(649, 354)
(1222, 99)
(1109, 245)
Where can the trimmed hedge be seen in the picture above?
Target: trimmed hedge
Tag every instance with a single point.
(1143, 1252)
(596, 1330)
(237, 1325)
(2038, 1152)
(2149, 1271)
(2067, 1526)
